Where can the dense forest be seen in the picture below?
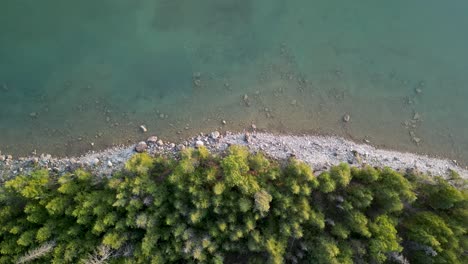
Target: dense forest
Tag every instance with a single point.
(233, 208)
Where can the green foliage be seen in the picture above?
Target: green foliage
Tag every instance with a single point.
(384, 239)
(392, 190)
(441, 195)
(341, 174)
(327, 184)
(241, 207)
(139, 163)
(262, 201)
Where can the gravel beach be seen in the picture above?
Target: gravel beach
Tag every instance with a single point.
(320, 152)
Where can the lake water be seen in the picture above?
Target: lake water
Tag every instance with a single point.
(76, 72)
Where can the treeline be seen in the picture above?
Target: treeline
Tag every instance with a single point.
(239, 208)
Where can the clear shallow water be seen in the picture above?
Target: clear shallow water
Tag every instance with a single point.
(76, 72)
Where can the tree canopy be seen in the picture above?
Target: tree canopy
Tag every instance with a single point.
(239, 207)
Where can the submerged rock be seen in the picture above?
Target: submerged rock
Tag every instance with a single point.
(143, 128)
(141, 147)
(346, 118)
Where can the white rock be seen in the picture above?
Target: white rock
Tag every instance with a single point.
(152, 140)
(109, 163)
(215, 134)
(346, 118)
(143, 128)
(199, 143)
(160, 142)
(2, 158)
(172, 145)
(96, 161)
(180, 147)
(141, 147)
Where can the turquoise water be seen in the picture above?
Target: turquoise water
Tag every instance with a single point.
(76, 72)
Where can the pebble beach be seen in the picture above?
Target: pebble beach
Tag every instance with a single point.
(320, 152)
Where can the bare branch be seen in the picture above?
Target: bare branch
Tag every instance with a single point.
(37, 252)
(100, 255)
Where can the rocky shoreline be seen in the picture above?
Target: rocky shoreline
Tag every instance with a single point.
(320, 152)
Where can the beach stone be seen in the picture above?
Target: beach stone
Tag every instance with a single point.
(223, 122)
(254, 127)
(33, 114)
(416, 116)
(160, 143)
(247, 137)
(143, 129)
(418, 90)
(2, 158)
(152, 140)
(141, 147)
(109, 163)
(199, 143)
(172, 145)
(215, 134)
(346, 118)
(9, 157)
(180, 147)
(96, 161)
